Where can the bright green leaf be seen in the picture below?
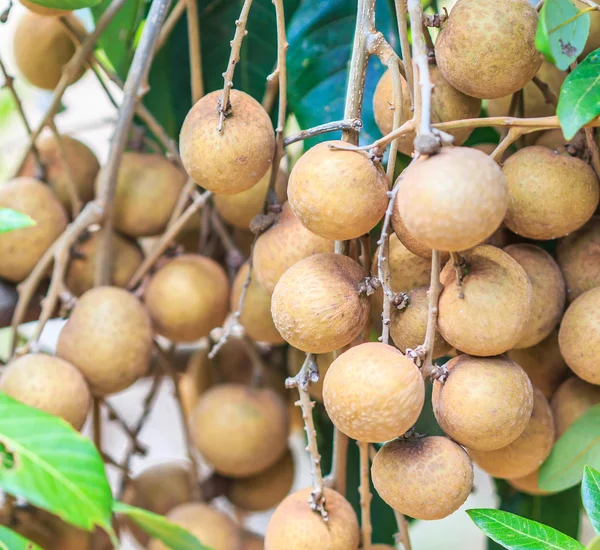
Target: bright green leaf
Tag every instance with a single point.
(517, 533)
(579, 99)
(9, 540)
(11, 220)
(594, 544)
(590, 494)
(67, 4)
(578, 446)
(159, 527)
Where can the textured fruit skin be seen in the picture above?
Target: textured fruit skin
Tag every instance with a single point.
(502, 33)
(550, 195)
(425, 478)
(41, 10)
(526, 453)
(549, 292)
(211, 527)
(414, 245)
(528, 484)
(571, 400)
(316, 306)
(108, 337)
(83, 167)
(445, 207)
(197, 378)
(49, 384)
(485, 403)
(578, 255)
(188, 297)
(337, 194)
(496, 304)
(295, 360)
(21, 249)
(543, 363)
(579, 336)
(237, 157)
(294, 526)
(286, 242)
(241, 431)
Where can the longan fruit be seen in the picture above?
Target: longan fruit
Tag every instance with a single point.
(526, 453)
(593, 40)
(187, 297)
(42, 10)
(528, 484)
(550, 195)
(497, 299)
(316, 306)
(295, 360)
(21, 249)
(414, 245)
(197, 378)
(241, 431)
(233, 159)
(252, 541)
(322, 176)
(549, 293)
(553, 139)
(286, 242)
(578, 256)
(485, 403)
(579, 336)
(571, 400)
(502, 33)
(294, 526)
(373, 393)
(444, 207)
(423, 477)
(49, 384)
(108, 337)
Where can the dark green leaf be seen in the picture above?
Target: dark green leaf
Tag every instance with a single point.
(517, 533)
(590, 494)
(578, 101)
(9, 540)
(11, 220)
(66, 4)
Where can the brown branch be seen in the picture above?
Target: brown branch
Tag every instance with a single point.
(401, 15)
(233, 257)
(402, 536)
(593, 149)
(337, 477)
(114, 415)
(549, 95)
(97, 422)
(354, 124)
(195, 52)
(271, 90)
(365, 496)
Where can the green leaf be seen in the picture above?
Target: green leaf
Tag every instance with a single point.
(45, 461)
(590, 494)
(9, 540)
(562, 32)
(11, 220)
(66, 4)
(159, 527)
(517, 533)
(578, 100)
(578, 446)
(594, 544)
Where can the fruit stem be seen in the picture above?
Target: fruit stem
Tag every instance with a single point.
(365, 495)
(351, 124)
(336, 479)
(401, 14)
(428, 369)
(402, 534)
(194, 47)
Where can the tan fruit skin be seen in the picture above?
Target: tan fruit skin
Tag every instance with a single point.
(528, 484)
(197, 378)
(295, 359)
(526, 453)
(549, 292)
(550, 195)
(485, 403)
(188, 297)
(373, 393)
(445, 207)
(294, 526)
(316, 306)
(487, 48)
(237, 157)
(425, 478)
(593, 41)
(108, 337)
(49, 384)
(579, 336)
(414, 245)
(21, 249)
(41, 10)
(571, 400)
(578, 255)
(337, 194)
(496, 304)
(250, 541)
(240, 430)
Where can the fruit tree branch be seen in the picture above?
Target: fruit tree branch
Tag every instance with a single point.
(365, 496)
(195, 52)
(352, 124)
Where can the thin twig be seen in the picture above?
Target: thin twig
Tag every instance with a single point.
(402, 536)
(182, 200)
(401, 15)
(365, 496)
(170, 22)
(271, 91)
(337, 477)
(591, 4)
(593, 149)
(234, 258)
(194, 45)
(97, 422)
(353, 124)
(549, 96)
(114, 415)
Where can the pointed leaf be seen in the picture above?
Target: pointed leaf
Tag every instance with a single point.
(9, 540)
(11, 220)
(590, 494)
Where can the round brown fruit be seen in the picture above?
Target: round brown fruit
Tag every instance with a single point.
(412, 244)
(571, 400)
(373, 393)
(21, 249)
(240, 430)
(197, 378)
(322, 176)
(251, 541)
(316, 306)
(233, 159)
(188, 297)
(424, 477)
(555, 140)
(108, 337)
(445, 207)
(593, 40)
(295, 526)
(42, 10)
(295, 360)
(485, 403)
(550, 195)
(49, 384)
(491, 316)
(528, 484)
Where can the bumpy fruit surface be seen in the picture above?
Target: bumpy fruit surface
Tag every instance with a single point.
(408, 240)
(425, 478)
(485, 403)
(373, 393)
(443, 206)
(528, 484)
(295, 360)
(337, 194)
(233, 159)
(571, 400)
